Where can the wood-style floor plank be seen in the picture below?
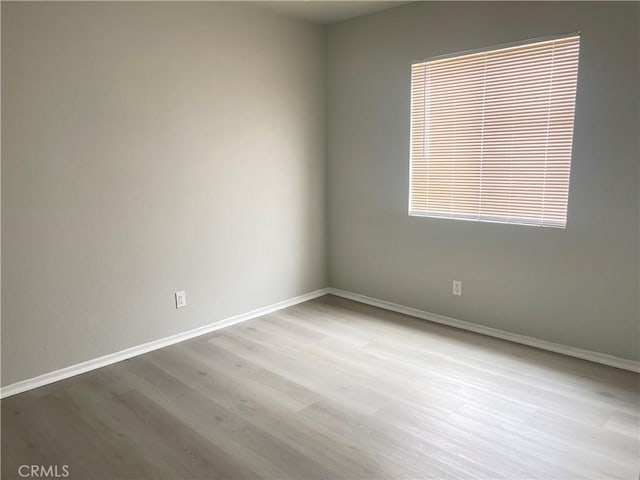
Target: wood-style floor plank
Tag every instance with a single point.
(333, 389)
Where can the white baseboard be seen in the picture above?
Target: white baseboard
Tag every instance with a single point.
(111, 358)
(105, 360)
(492, 332)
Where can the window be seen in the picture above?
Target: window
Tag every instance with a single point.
(491, 134)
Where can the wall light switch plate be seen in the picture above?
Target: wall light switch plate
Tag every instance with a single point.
(181, 299)
(457, 287)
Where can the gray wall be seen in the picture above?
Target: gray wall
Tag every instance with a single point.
(149, 148)
(155, 147)
(577, 286)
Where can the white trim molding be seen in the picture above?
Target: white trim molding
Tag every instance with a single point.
(72, 370)
(492, 332)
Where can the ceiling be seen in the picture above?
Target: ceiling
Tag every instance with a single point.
(329, 11)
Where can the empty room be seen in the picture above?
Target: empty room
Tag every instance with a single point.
(320, 240)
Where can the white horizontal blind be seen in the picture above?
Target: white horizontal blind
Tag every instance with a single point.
(491, 134)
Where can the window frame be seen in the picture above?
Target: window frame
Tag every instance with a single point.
(490, 218)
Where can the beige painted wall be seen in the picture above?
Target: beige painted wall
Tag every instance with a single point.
(149, 148)
(577, 286)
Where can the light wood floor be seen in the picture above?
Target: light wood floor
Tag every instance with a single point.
(333, 389)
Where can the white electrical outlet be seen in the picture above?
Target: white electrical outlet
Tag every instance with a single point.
(457, 287)
(181, 299)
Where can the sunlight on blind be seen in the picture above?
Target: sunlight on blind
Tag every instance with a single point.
(491, 134)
